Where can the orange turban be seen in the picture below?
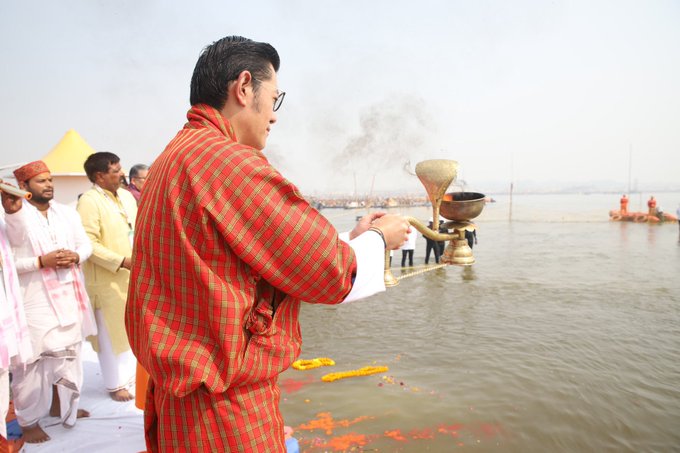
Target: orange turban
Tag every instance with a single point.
(30, 170)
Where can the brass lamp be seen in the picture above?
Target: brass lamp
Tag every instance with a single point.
(456, 207)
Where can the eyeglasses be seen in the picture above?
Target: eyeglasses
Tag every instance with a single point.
(279, 99)
(279, 95)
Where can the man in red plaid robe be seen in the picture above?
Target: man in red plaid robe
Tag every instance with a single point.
(225, 251)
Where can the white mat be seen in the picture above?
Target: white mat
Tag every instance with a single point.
(112, 426)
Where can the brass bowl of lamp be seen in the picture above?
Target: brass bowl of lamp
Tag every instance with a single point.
(462, 206)
(459, 208)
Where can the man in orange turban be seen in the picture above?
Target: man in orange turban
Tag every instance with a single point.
(49, 245)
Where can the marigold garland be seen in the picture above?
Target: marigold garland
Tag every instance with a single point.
(312, 363)
(365, 371)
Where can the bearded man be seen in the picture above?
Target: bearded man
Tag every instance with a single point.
(49, 245)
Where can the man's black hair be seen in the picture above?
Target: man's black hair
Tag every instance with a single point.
(223, 61)
(99, 162)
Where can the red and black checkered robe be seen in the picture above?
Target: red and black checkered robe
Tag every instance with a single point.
(225, 249)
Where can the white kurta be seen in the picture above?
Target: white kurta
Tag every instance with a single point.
(67, 232)
(15, 342)
(4, 383)
(15, 345)
(4, 400)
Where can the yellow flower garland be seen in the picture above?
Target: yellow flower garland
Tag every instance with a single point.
(365, 371)
(312, 363)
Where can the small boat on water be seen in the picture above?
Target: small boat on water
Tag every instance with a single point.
(641, 217)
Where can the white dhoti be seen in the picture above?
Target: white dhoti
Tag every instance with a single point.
(4, 400)
(118, 370)
(56, 360)
(32, 386)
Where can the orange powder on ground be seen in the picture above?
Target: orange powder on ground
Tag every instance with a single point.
(396, 435)
(326, 423)
(290, 385)
(421, 434)
(452, 430)
(344, 443)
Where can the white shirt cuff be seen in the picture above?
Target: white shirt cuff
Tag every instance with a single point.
(369, 251)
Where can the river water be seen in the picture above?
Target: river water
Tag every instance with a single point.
(563, 336)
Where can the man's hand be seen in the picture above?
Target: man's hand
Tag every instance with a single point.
(51, 259)
(364, 224)
(67, 258)
(60, 259)
(395, 228)
(127, 263)
(11, 203)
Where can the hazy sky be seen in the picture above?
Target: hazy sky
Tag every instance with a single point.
(532, 91)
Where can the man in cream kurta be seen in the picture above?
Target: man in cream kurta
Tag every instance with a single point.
(108, 214)
(49, 245)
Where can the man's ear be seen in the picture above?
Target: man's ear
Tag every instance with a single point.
(241, 86)
(23, 185)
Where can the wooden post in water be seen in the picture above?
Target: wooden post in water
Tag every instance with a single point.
(510, 210)
(512, 179)
(630, 166)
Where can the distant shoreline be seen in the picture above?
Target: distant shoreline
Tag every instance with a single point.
(406, 200)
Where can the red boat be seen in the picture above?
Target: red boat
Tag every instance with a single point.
(641, 217)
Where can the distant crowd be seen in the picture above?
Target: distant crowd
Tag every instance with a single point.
(349, 202)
